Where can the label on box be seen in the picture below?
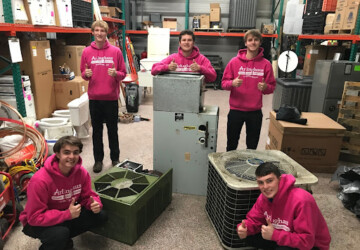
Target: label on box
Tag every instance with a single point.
(34, 51)
(268, 140)
(48, 54)
(314, 51)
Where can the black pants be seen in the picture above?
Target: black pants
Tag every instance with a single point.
(56, 237)
(259, 242)
(100, 112)
(236, 120)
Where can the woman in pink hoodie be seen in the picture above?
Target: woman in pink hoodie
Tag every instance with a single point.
(188, 59)
(248, 76)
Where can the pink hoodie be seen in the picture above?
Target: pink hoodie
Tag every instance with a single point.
(101, 85)
(183, 64)
(297, 220)
(50, 193)
(248, 97)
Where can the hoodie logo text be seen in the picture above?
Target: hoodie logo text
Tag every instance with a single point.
(64, 194)
(251, 72)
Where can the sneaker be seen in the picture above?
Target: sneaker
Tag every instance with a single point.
(114, 163)
(97, 167)
(69, 244)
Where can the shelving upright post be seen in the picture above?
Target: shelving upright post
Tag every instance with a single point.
(15, 67)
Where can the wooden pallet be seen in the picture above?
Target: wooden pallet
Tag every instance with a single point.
(349, 117)
(209, 30)
(238, 30)
(342, 31)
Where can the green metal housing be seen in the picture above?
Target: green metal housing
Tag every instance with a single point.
(132, 201)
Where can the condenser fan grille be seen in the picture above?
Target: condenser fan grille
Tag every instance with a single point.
(245, 168)
(121, 184)
(227, 207)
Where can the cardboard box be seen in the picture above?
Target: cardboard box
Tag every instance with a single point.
(69, 54)
(40, 12)
(204, 21)
(170, 23)
(20, 15)
(63, 13)
(105, 11)
(66, 91)
(341, 3)
(332, 50)
(215, 12)
(114, 12)
(37, 64)
(351, 14)
(313, 53)
(267, 28)
(315, 146)
(330, 19)
(339, 18)
(327, 29)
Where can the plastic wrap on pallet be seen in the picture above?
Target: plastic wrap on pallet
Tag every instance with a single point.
(293, 18)
(81, 13)
(313, 6)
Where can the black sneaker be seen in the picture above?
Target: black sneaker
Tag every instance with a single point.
(114, 163)
(97, 167)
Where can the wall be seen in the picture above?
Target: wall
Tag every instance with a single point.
(226, 47)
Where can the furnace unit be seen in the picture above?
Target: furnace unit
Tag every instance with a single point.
(328, 85)
(185, 131)
(232, 189)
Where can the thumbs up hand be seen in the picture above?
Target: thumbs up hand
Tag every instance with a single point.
(172, 66)
(74, 209)
(237, 81)
(262, 85)
(242, 230)
(88, 71)
(194, 66)
(267, 231)
(112, 70)
(94, 206)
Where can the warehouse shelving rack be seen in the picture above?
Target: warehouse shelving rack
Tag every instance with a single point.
(10, 28)
(355, 39)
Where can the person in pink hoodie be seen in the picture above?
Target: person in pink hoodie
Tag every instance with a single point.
(60, 202)
(188, 59)
(248, 76)
(102, 64)
(283, 216)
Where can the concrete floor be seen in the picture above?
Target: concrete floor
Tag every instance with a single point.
(184, 224)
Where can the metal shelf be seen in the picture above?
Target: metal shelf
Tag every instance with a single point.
(198, 33)
(353, 38)
(114, 20)
(14, 27)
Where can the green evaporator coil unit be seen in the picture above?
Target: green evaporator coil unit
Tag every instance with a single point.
(132, 201)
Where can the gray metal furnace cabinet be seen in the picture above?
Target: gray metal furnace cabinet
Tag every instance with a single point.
(182, 141)
(178, 92)
(328, 85)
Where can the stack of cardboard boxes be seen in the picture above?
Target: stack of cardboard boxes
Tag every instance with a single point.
(39, 64)
(212, 20)
(319, 52)
(346, 15)
(107, 11)
(66, 91)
